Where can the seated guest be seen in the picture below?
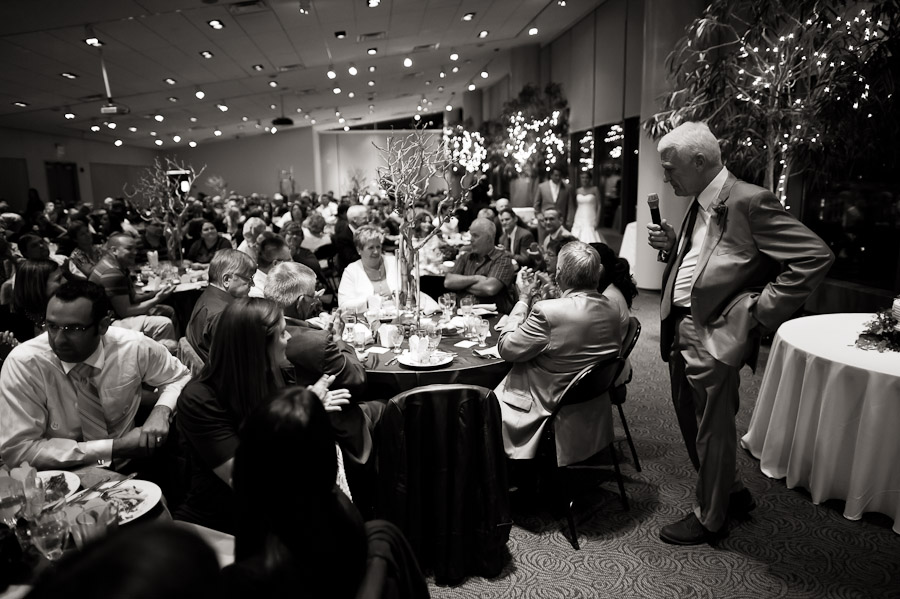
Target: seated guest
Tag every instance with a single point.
(485, 272)
(84, 255)
(293, 236)
(551, 341)
(34, 247)
(69, 396)
(515, 240)
(553, 226)
(230, 278)
(36, 282)
(314, 235)
(136, 311)
(253, 228)
(314, 352)
(210, 242)
(374, 273)
(153, 239)
(549, 260)
(617, 284)
(345, 232)
(318, 547)
(273, 250)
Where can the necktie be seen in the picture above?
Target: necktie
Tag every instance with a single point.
(93, 419)
(688, 233)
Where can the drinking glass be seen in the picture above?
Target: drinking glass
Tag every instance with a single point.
(349, 319)
(89, 525)
(465, 305)
(483, 330)
(12, 499)
(34, 500)
(397, 338)
(434, 337)
(372, 317)
(49, 533)
(359, 339)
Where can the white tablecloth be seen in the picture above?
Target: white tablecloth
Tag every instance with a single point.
(828, 416)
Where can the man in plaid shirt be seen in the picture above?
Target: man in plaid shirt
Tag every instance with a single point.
(485, 272)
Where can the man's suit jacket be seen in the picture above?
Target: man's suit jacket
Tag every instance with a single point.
(313, 353)
(521, 242)
(343, 243)
(548, 346)
(757, 264)
(565, 202)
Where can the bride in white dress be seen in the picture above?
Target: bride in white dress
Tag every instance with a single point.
(587, 212)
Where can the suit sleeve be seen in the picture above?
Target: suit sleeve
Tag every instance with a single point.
(804, 258)
(340, 360)
(536, 200)
(525, 242)
(521, 343)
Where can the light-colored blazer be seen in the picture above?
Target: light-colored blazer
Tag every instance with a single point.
(548, 347)
(355, 287)
(757, 264)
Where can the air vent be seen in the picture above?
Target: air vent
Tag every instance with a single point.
(413, 75)
(247, 7)
(289, 67)
(369, 37)
(92, 98)
(425, 47)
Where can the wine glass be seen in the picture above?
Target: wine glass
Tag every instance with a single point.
(433, 333)
(12, 499)
(49, 533)
(397, 338)
(483, 329)
(373, 319)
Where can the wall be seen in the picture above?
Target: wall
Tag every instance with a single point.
(37, 148)
(253, 164)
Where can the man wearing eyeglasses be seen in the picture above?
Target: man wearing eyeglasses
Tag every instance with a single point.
(230, 278)
(273, 250)
(69, 396)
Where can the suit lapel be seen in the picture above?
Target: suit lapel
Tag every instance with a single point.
(714, 229)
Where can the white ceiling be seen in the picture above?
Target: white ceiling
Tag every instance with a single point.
(147, 41)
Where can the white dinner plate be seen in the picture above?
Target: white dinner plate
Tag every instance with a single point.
(134, 498)
(72, 480)
(409, 361)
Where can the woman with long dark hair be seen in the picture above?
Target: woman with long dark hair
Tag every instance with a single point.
(297, 531)
(617, 284)
(36, 281)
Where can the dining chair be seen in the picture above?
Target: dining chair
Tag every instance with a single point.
(618, 393)
(590, 389)
(328, 253)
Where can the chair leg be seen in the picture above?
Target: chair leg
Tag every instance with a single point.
(637, 463)
(615, 461)
(569, 500)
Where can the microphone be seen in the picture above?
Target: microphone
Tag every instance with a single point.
(653, 203)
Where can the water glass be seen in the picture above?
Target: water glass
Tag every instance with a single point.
(483, 329)
(372, 317)
(434, 337)
(49, 533)
(465, 305)
(12, 499)
(359, 338)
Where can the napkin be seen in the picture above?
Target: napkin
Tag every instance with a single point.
(501, 323)
(488, 307)
(490, 351)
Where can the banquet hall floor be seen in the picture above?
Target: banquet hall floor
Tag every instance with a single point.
(789, 548)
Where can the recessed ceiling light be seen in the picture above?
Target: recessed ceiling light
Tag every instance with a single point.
(341, 120)
(69, 75)
(274, 130)
(158, 142)
(206, 54)
(313, 121)
(471, 87)
(20, 104)
(192, 143)
(336, 90)
(111, 125)
(428, 82)
(483, 33)
(407, 62)
(371, 83)
(70, 115)
(173, 99)
(176, 138)
(153, 134)
(533, 31)
(417, 117)
(442, 74)
(193, 119)
(337, 112)
(159, 118)
(419, 108)
(216, 24)
(200, 95)
(352, 70)
(267, 128)
(133, 129)
(117, 143)
(340, 34)
(449, 107)
(372, 51)
(484, 74)
(273, 83)
(455, 70)
(454, 56)
(306, 116)
(468, 16)
(217, 133)
(351, 95)
(440, 88)
(169, 80)
(371, 107)
(222, 107)
(257, 67)
(346, 128)
(95, 128)
(245, 119)
(372, 68)
(93, 41)
(373, 3)
(299, 110)
(561, 2)
(272, 106)
(331, 73)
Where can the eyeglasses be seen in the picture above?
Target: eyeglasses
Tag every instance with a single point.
(249, 280)
(55, 329)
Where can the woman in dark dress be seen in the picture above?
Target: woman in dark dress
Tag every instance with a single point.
(209, 243)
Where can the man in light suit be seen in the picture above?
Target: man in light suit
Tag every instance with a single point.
(554, 193)
(549, 342)
(741, 266)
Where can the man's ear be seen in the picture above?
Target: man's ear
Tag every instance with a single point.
(103, 325)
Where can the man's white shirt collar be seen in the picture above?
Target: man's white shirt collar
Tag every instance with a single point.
(712, 191)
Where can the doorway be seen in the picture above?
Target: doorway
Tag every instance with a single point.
(62, 183)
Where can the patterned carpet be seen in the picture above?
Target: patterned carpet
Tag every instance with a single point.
(789, 548)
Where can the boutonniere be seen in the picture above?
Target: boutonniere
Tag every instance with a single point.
(721, 211)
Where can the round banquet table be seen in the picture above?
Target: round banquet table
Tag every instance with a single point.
(466, 368)
(828, 413)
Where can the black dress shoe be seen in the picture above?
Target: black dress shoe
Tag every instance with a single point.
(740, 504)
(687, 531)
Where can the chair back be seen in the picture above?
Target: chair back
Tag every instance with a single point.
(325, 252)
(189, 357)
(631, 336)
(592, 382)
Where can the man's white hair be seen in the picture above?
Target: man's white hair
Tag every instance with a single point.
(690, 139)
(288, 281)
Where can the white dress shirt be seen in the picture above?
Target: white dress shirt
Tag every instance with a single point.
(554, 190)
(259, 283)
(684, 280)
(41, 423)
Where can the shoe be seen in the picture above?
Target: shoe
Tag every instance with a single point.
(740, 504)
(687, 531)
